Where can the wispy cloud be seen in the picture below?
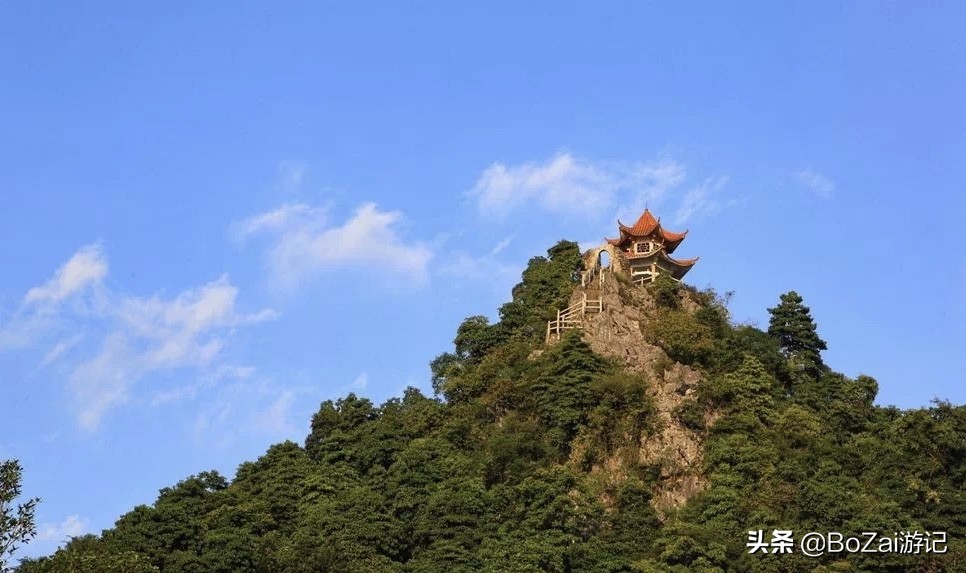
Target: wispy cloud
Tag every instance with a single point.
(276, 418)
(361, 382)
(60, 349)
(210, 379)
(563, 183)
(87, 267)
(306, 243)
(487, 268)
(231, 371)
(154, 334)
(702, 199)
(176, 330)
(211, 425)
(460, 266)
(72, 526)
(137, 335)
(282, 219)
(240, 409)
(815, 182)
(173, 395)
(500, 246)
(568, 184)
(78, 281)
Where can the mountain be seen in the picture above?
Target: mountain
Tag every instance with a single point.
(652, 436)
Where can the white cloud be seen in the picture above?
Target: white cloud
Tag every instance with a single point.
(701, 199)
(305, 244)
(459, 267)
(154, 334)
(79, 282)
(499, 247)
(71, 526)
(173, 395)
(243, 409)
(88, 266)
(138, 335)
(212, 425)
(485, 268)
(39, 312)
(816, 182)
(360, 382)
(298, 214)
(653, 181)
(210, 379)
(567, 184)
(102, 382)
(60, 349)
(276, 419)
(230, 371)
(562, 183)
(176, 329)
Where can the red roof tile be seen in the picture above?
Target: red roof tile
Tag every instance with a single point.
(645, 226)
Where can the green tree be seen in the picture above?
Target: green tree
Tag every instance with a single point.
(666, 291)
(562, 392)
(171, 533)
(546, 287)
(792, 324)
(17, 524)
(276, 483)
(335, 419)
(442, 368)
(475, 337)
(89, 554)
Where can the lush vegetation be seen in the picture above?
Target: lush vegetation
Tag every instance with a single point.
(527, 461)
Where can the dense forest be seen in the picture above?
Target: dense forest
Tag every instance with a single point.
(528, 459)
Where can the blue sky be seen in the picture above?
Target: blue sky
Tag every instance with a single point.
(214, 217)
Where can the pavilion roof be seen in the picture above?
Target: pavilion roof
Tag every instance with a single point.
(646, 226)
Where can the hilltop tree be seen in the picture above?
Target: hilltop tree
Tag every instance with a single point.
(792, 324)
(474, 338)
(16, 523)
(339, 417)
(546, 286)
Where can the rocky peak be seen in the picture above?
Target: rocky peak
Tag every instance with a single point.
(617, 332)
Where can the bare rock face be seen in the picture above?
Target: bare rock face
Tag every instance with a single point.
(616, 332)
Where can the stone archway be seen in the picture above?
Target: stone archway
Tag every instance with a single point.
(604, 259)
